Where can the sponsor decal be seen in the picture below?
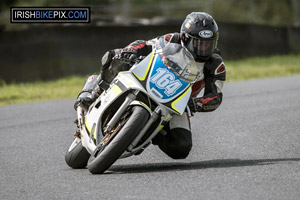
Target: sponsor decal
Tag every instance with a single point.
(206, 34)
(156, 93)
(91, 79)
(187, 25)
(167, 37)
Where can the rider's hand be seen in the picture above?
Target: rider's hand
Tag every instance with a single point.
(136, 49)
(195, 104)
(129, 53)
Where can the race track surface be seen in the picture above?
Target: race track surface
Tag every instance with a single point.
(249, 148)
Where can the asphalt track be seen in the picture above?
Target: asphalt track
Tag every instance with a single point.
(247, 149)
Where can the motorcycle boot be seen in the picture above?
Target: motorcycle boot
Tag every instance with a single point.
(95, 85)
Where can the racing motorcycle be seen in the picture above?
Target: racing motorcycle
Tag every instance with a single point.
(137, 104)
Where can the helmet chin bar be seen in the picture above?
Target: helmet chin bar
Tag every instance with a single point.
(202, 59)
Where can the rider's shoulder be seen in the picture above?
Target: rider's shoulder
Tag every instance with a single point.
(216, 57)
(214, 61)
(172, 37)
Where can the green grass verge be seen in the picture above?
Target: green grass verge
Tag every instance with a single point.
(263, 67)
(254, 68)
(41, 91)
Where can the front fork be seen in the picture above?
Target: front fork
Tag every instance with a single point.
(154, 116)
(83, 136)
(80, 117)
(115, 119)
(117, 116)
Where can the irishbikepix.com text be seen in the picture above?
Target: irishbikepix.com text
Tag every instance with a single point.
(50, 15)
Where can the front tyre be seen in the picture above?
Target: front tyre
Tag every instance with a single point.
(77, 156)
(104, 156)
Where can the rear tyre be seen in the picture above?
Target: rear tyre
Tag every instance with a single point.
(104, 156)
(77, 156)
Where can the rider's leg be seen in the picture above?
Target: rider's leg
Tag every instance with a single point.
(95, 85)
(90, 92)
(177, 143)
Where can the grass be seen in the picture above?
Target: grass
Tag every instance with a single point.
(263, 67)
(254, 68)
(41, 91)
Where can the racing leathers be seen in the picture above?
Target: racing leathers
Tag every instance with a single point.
(176, 138)
(212, 70)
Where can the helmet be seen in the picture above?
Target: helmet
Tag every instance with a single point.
(199, 34)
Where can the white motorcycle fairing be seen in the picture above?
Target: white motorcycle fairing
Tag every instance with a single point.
(161, 84)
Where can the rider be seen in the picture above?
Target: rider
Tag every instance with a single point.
(199, 34)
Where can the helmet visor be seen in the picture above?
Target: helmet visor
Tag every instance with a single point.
(201, 47)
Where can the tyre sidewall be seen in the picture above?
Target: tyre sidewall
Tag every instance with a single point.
(120, 142)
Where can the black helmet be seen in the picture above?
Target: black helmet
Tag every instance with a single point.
(199, 33)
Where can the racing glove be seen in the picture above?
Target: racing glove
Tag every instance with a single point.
(207, 103)
(195, 104)
(136, 49)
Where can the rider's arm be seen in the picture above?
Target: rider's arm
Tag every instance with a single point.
(143, 48)
(215, 75)
(136, 49)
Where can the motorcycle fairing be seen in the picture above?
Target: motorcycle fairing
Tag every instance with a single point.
(163, 84)
(180, 103)
(151, 76)
(141, 70)
(153, 63)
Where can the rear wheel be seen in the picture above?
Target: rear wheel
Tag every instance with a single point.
(77, 156)
(112, 147)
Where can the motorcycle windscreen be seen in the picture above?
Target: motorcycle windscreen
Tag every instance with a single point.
(180, 61)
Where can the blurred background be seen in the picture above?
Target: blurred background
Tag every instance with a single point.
(30, 52)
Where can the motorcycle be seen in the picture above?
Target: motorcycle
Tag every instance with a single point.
(137, 104)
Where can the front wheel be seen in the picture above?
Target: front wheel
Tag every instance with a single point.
(77, 156)
(105, 155)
